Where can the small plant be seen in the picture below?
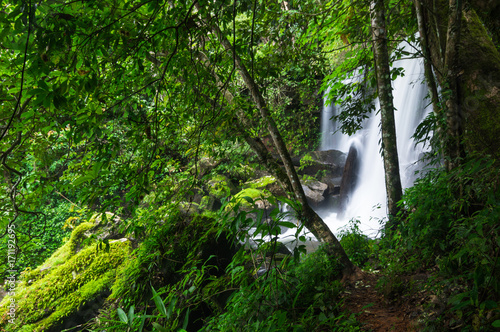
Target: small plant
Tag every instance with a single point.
(355, 243)
(306, 161)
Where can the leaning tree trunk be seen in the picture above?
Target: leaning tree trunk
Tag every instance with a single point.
(389, 145)
(311, 220)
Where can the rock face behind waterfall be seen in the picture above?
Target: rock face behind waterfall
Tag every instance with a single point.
(349, 177)
(325, 166)
(331, 161)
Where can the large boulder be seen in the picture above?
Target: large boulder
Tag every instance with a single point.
(329, 157)
(220, 186)
(313, 196)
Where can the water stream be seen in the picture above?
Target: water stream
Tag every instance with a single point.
(368, 203)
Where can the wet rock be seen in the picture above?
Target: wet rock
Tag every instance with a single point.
(314, 190)
(314, 196)
(350, 176)
(316, 185)
(323, 165)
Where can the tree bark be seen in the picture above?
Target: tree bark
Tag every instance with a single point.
(428, 67)
(479, 87)
(389, 145)
(453, 143)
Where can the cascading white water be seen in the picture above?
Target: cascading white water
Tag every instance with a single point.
(368, 200)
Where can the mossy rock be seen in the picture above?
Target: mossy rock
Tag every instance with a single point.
(260, 182)
(242, 172)
(220, 186)
(159, 259)
(207, 203)
(61, 255)
(248, 195)
(72, 277)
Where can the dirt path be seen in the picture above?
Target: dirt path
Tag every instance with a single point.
(375, 312)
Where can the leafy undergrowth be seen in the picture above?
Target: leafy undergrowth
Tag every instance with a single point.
(303, 296)
(436, 271)
(173, 283)
(450, 234)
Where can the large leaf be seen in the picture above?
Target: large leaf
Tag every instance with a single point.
(159, 303)
(122, 316)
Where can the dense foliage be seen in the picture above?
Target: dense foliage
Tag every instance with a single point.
(138, 160)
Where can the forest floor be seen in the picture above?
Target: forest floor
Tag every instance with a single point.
(382, 309)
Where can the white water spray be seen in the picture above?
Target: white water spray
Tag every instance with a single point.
(368, 202)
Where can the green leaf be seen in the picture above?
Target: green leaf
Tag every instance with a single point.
(60, 101)
(496, 323)
(159, 327)
(141, 327)
(186, 320)
(36, 91)
(82, 179)
(131, 315)
(28, 114)
(171, 307)
(288, 224)
(96, 168)
(159, 303)
(122, 315)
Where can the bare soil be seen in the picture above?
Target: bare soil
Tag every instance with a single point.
(376, 311)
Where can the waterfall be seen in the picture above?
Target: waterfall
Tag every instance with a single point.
(368, 202)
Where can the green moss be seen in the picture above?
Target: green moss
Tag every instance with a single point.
(62, 254)
(162, 256)
(260, 183)
(207, 203)
(220, 186)
(252, 193)
(46, 297)
(242, 172)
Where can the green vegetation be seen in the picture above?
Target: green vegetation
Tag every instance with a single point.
(146, 158)
(290, 297)
(73, 276)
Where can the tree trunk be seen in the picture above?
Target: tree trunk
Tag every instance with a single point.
(389, 145)
(453, 143)
(310, 219)
(479, 88)
(428, 67)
